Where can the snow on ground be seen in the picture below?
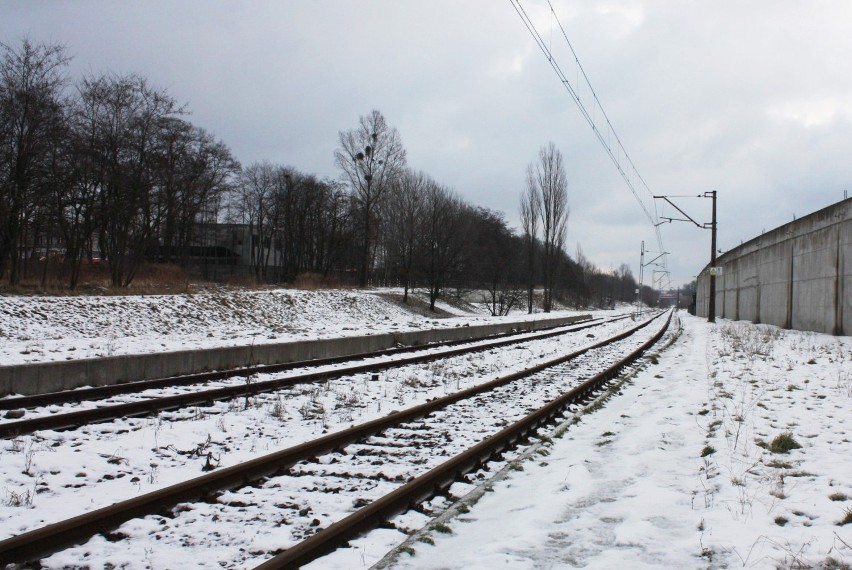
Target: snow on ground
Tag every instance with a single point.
(120, 459)
(678, 471)
(37, 329)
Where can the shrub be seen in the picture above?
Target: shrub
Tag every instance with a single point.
(708, 450)
(783, 443)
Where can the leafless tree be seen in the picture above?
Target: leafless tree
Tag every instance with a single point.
(495, 253)
(192, 170)
(370, 157)
(548, 180)
(444, 238)
(130, 116)
(31, 114)
(401, 218)
(258, 207)
(530, 208)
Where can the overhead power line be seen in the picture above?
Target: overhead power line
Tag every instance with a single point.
(594, 115)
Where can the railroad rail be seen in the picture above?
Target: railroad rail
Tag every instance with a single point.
(148, 406)
(44, 541)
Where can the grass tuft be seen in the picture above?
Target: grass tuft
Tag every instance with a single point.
(783, 443)
(708, 450)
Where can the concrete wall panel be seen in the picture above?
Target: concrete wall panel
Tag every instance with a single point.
(774, 266)
(814, 263)
(46, 377)
(797, 276)
(844, 285)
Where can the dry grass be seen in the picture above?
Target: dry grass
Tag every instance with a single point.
(314, 281)
(784, 443)
(151, 279)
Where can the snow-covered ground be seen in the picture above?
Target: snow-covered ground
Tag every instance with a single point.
(38, 329)
(674, 472)
(678, 471)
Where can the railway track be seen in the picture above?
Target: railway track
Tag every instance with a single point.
(198, 390)
(372, 470)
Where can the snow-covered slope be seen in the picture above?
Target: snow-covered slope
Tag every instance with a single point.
(38, 329)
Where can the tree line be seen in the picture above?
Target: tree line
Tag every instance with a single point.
(109, 167)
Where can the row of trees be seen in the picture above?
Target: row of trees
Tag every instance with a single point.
(109, 167)
(112, 167)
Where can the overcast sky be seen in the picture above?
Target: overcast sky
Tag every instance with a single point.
(752, 99)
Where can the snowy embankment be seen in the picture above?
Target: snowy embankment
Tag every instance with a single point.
(680, 470)
(40, 329)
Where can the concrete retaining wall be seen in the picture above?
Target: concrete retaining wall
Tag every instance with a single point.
(46, 377)
(797, 276)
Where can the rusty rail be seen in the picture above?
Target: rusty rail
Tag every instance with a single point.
(206, 397)
(441, 477)
(44, 541)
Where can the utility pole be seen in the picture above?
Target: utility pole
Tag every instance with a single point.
(639, 288)
(642, 266)
(711, 302)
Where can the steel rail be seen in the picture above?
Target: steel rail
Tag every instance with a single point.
(44, 541)
(441, 477)
(206, 397)
(103, 392)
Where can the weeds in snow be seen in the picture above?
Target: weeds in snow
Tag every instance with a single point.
(783, 443)
(153, 473)
(277, 410)
(22, 499)
(17, 445)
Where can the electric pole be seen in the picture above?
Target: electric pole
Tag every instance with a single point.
(711, 302)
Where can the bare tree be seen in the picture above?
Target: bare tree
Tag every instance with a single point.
(130, 116)
(31, 113)
(370, 156)
(494, 256)
(257, 207)
(191, 172)
(548, 180)
(530, 207)
(402, 212)
(444, 238)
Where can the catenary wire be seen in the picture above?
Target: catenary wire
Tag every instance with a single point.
(628, 171)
